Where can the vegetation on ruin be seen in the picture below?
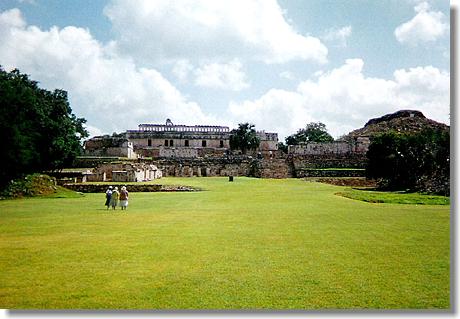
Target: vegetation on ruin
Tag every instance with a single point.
(244, 138)
(41, 131)
(414, 162)
(247, 244)
(313, 132)
(34, 185)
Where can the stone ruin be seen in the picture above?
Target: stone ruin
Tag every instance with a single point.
(124, 172)
(171, 141)
(180, 150)
(115, 172)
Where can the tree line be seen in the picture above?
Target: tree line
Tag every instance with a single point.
(40, 131)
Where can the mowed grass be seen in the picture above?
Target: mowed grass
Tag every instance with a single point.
(372, 196)
(250, 244)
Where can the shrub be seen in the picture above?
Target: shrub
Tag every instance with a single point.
(414, 162)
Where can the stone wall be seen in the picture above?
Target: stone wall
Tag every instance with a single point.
(311, 172)
(234, 166)
(186, 167)
(178, 152)
(359, 145)
(276, 166)
(353, 160)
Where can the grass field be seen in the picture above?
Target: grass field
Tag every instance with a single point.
(250, 244)
(372, 196)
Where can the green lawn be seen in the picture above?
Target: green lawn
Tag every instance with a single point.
(250, 244)
(372, 196)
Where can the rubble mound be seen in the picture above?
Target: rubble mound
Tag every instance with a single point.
(404, 121)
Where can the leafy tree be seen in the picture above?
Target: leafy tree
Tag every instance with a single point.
(418, 161)
(313, 132)
(40, 131)
(244, 138)
(283, 147)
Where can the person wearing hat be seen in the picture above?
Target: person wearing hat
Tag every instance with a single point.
(114, 198)
(108, 196)
(123, 198)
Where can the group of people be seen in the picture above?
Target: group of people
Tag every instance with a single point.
(113, 197)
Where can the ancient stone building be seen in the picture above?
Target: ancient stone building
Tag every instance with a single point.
(125, 172)
(115, 145)
(172, 141)
(169, 140)
(268, 141)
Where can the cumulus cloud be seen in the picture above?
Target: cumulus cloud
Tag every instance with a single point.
(202, 29)
(182, 69)
(213, 75)
(110, 91)
(228, 76)
(425, 26)
(344, 99)
(338, 36)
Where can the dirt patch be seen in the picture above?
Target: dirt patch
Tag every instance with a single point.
(347, 181)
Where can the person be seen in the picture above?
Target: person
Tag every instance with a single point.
(124, 198)
(114, 198)
(108, 195)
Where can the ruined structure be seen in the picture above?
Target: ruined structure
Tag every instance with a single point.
(125, 172)
(172, 141)
(200, 150)
(114, 171)
(404, 121)
(116, 145)
(169, 140)
(355, 145)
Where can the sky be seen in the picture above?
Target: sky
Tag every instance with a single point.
(276, 64)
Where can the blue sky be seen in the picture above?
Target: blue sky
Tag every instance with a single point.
(279, 65)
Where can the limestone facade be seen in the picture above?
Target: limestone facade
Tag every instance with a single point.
(107, 145)
(359, 145)
(172, 141)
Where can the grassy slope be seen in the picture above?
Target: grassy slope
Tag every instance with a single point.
(283, 244)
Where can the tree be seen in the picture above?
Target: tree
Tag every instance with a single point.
(244, 138)
(414, 162)
(41, 133)
(282, 147)
(313, 132)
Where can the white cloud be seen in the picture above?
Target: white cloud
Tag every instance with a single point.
(288, 75)
(182, 69)
(32, 2)
(110, 91)
(425, 26)
(344, 99)
(338, 36)
(225, 76)
(169, 30)
(222, 76)
(93, 131)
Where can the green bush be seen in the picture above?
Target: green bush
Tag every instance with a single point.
(414, 162)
